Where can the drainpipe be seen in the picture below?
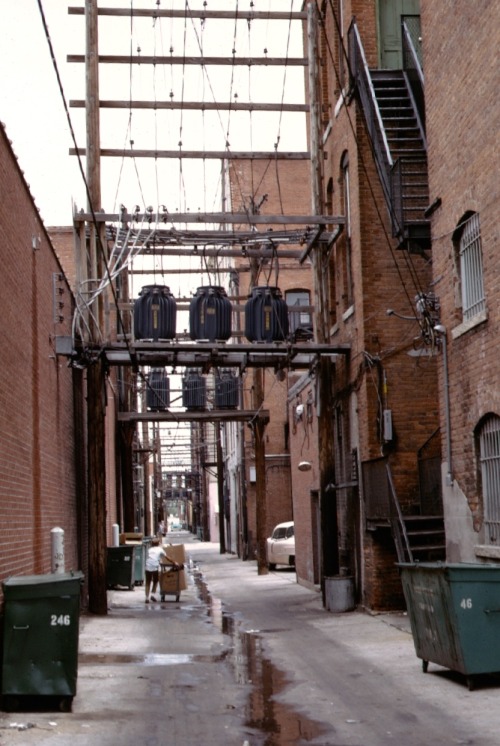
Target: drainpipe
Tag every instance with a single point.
(441, 330)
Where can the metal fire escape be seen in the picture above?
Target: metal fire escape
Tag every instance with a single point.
(392, 102)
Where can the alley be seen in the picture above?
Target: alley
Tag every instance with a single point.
(249, 659)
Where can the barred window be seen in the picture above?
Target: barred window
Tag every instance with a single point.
(468, 242)
(489, 455)
(299, 318)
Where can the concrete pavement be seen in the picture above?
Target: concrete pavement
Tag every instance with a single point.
(249, 659)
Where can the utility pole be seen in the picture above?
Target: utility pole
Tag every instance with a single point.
(96, 381)
(327, 497)
(220, 488)
(258, 426)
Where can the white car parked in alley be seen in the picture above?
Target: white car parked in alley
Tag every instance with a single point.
(280, 547)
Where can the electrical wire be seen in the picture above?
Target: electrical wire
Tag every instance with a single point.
(100, 247)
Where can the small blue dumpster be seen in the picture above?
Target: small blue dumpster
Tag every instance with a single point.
(454, 611)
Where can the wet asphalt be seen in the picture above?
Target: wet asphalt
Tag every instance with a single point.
(249, 660)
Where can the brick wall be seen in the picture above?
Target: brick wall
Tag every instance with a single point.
(286, 187)
(63, 241)
(463, 121)
(304, 448)
(37, 460)
(380, 372)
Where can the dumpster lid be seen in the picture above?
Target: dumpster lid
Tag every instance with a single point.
(48, 578)
(451, 565)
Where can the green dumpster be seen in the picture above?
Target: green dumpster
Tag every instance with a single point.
(120, 567)
(454, 611)
(40, 637)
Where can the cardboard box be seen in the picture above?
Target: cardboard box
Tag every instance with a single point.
(172, 581)
(131, 538)
(176, 551)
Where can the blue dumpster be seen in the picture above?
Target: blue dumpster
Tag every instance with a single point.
(454, 611)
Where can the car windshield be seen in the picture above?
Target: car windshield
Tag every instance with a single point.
(279, 533)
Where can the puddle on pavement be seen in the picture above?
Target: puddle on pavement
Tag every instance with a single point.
(149, 659)
(277, 723)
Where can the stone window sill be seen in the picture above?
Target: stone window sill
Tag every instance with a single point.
(487, 552)
(468, 325)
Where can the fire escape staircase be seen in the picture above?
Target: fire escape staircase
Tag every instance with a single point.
(393, 106)
(418, 538)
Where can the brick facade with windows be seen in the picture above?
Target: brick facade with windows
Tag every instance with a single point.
(463, 121)
(390, 375)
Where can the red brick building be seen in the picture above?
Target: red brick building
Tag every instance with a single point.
(384, 394)
(463, 121)
(383, 403)
(40, 402)
(43, 412)
(283, 189)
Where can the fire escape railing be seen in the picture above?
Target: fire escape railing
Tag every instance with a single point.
(362, 82)
(403, 549)
(392, 174)
(412, 68)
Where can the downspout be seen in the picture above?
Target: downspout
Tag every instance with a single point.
(441, 330)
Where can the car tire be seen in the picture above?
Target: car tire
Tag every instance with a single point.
(271, 566)
(291, 561)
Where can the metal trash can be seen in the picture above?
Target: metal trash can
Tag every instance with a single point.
(120, 567)
(40, 637)
(454, 612)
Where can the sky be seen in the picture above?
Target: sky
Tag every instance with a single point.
(32, 110)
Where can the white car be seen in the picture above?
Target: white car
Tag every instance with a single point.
(280, 547)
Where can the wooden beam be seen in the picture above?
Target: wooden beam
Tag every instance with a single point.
(193, 105)
(207, 355)
(272, 155)
(214, 415)
(218, 252)
(223, 218)
(139, 59)
(202, 14)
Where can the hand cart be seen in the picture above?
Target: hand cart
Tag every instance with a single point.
(170, 581)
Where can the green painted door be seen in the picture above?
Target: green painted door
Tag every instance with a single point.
(389, 25)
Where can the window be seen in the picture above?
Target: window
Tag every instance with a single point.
(332, 298)
(340, 42)
(489, 457)
(299, 319)
(345, 244)
(469, 258)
